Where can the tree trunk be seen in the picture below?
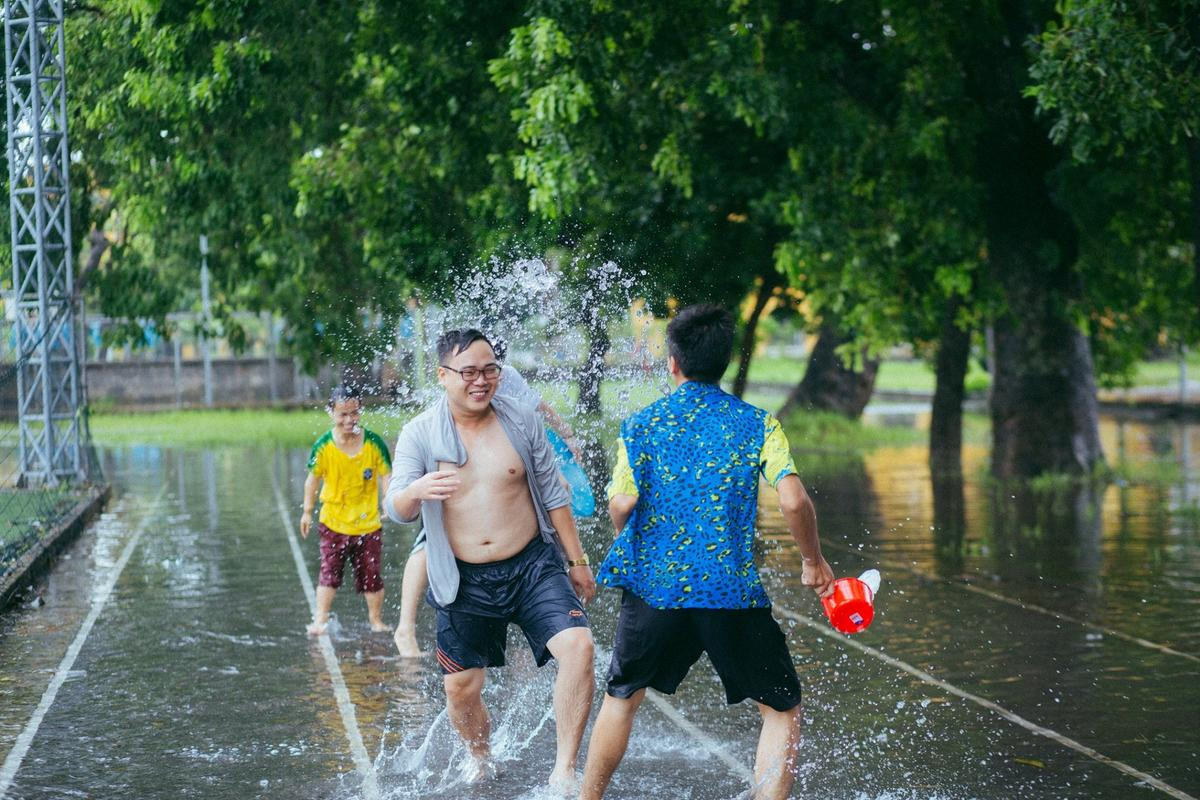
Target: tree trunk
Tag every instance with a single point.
(1193, 149)
(98, 243)
(1045, 416)
(1043, 404)
(945, 428)
(770, 281)
(593, 369)
(828, 385)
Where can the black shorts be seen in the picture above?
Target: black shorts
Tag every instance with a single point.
(530, 589)
(656, 648)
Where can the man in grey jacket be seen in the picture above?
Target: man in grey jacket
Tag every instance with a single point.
(502, 545)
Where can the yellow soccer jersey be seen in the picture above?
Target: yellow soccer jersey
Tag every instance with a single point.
(349, 497)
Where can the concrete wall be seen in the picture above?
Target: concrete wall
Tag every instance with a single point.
(153, 384)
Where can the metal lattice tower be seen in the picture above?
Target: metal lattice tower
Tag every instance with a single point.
(50, 393)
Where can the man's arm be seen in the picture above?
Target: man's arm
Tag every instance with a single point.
(801, 519)
(549, 480)
(561, 427)
(622, 489)
(568, 535)
(403, 503)
(410, 484)
(620, 509)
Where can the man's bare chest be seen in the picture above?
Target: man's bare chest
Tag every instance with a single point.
(492, 461)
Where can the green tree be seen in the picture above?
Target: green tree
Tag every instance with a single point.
(189, 119)
(634, 154)
(751, 141)
(1121, 83)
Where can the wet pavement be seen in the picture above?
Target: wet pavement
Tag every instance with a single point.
(1024, 646)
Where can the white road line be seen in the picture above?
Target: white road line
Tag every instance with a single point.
(1032, 727)
(358, 750)
(970, 587)
(710, 744)
(15, 756)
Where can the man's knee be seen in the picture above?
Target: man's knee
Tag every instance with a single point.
(463, 687)
(626, 707)
(573, 646)
(791, 715)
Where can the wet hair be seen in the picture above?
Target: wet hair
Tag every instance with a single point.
(700, 339)
(343, 392)
(451, 343)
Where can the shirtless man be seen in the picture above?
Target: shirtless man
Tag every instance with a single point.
(502, 546)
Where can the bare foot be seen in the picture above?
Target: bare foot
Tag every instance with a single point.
(380, 627)
(316, 628)
(566, 784)
(478, 770)
(406, 643)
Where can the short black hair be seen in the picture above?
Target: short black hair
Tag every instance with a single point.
(700, 339)
(453, 342)
(343, 392)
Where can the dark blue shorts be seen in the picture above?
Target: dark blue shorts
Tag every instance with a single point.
(656, 647)
(530, 589)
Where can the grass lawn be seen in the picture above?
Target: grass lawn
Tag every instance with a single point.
(205, 428)
(911, 376)
(271, 427)
(1166, 373)
(917, 376)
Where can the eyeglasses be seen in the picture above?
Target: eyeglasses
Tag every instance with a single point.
(470, 374)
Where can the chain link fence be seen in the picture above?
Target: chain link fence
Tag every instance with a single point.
(29, 512)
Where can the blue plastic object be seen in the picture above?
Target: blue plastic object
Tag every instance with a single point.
(583, 502)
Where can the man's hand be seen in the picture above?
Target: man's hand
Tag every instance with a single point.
(818, 576)
(305, 522)
(438, 485)
(583, 581)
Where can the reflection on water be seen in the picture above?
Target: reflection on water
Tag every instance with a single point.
(1071, 605)
(949, 522)
(1123, 554)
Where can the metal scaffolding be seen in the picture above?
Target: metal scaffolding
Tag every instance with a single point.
(50, 391)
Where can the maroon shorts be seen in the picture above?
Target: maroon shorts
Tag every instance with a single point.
(364, 552)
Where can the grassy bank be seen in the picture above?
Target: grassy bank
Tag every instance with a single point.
(25, 515)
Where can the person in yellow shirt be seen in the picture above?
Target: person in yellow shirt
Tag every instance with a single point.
(348, 463)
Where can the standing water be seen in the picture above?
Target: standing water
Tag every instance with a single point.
(1024, 645)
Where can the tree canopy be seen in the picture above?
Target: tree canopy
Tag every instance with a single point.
(920, 173)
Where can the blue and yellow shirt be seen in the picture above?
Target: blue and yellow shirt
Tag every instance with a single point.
(349, 493)
(693, 460)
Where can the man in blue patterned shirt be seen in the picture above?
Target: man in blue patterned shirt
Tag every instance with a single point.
(684, 500)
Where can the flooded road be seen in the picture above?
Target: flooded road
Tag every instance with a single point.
(1043, 645)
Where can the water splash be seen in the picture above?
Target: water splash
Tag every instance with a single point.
(564, 324)
(432, 761)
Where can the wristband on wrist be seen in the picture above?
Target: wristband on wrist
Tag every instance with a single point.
(582, 561)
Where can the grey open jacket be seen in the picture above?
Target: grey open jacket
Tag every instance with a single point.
(431, 437)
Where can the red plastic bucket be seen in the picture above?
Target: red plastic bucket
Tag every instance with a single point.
(851, 606)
